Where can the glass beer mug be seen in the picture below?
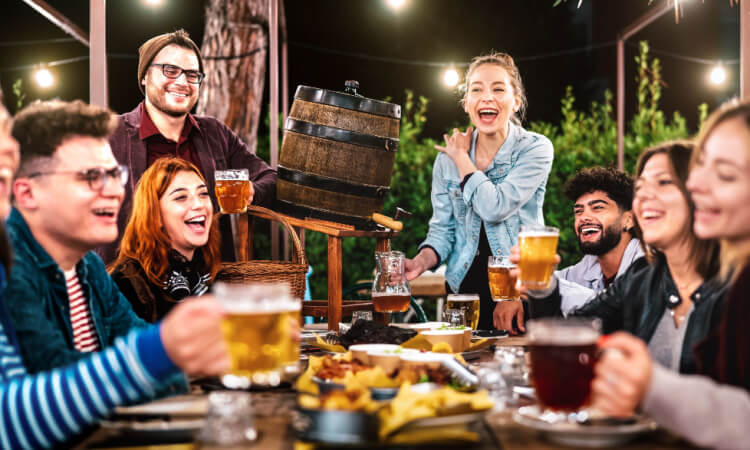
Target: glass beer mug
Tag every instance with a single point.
(390, 289)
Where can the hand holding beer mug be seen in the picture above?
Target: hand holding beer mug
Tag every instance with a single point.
(233, 190)
(563, 353)
(502, 281)
(538, 247)
(258, 326)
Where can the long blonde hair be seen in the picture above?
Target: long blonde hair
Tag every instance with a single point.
(733, 257)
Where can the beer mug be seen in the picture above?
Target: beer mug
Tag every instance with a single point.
(257, 327)
(232, 190)
(563, 353)
(502, 284)
(390, 288)
(538, 247)
(469, 304)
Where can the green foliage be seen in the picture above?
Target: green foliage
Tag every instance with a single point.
(589, 138)
(18, 93)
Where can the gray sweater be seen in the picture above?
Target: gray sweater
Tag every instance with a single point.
(697, 408)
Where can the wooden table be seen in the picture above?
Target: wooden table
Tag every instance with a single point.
(335, 307)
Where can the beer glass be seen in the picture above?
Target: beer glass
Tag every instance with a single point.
(538, 247)
(502, 284)
(390, 289)
(257, 327)
(469, 304)
(232, 190)
(563, 353)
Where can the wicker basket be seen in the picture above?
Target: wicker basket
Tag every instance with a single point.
(292, 273)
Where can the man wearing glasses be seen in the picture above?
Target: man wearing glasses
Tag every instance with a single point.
(170, 72)
(66, 196)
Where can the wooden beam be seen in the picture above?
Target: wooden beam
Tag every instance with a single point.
(59, 19)
(273, 85)
(744, 49)
(98, 53)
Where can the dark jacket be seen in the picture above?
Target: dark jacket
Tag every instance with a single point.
(151, 301)
(217, 147)
(37, 300)
(635, 302)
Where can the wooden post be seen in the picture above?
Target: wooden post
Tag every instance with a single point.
(620, 103)
(334, 282)
(273, 83)
(98, 53)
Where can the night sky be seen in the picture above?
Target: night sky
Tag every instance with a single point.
(424, 30)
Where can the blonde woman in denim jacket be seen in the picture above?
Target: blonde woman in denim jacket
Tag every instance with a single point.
(486, 182)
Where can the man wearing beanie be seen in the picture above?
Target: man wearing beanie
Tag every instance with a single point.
(170, 72)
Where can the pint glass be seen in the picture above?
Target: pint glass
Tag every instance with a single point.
(502, 284)
(232, 190)
(257, 327)
(563, 353)
(538, 246)
(469, 304)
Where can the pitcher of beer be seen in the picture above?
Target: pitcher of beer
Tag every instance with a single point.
(538, 247)
(390, 289)
(232, 190)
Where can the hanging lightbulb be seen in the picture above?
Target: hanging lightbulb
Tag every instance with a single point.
(450, 77)
(718, 75)
(44, 78)
(153, 2)
(395, 4)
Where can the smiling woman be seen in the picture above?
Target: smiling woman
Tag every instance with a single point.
(169, 250)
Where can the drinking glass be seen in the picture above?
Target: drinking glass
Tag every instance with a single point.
(455, 317)
(257, 326)
(502, 283)
(390, 288)
(229, 420)
(469, 304)
(563, 353)
(232, 190)
(361, 315)
(538, 247)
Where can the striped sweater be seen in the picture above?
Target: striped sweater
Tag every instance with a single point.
(48, 408)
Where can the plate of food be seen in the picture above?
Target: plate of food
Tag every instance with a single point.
(589, 430)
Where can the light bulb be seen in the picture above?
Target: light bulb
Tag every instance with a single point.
(44, 78)
(450, 77)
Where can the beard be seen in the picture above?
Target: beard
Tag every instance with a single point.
(610, 238)
(158, 98)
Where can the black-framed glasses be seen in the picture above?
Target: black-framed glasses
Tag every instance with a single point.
(96, 177)
(172, 71)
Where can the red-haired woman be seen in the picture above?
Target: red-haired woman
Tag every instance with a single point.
(169, 249)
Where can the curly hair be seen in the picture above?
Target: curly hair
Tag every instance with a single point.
(41, 128)
(145, 239)
(616, 184)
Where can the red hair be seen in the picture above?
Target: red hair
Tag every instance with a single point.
(145, 239)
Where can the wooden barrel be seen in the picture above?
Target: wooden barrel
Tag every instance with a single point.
(337, 156)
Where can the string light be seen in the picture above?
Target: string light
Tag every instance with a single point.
(395, 4)
(153, 2)
(44, 78)
(718, 75)
(450, 77)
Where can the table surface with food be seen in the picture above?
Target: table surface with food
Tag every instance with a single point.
(386, 386)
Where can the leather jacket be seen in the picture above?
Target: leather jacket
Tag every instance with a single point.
(635, 302)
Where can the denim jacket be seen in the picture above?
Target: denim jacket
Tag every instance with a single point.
(508, 194)
(36, 297)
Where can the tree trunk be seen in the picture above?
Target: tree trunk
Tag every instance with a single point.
(234, 52)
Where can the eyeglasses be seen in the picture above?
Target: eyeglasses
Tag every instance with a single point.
(172, 71)
(96, 177)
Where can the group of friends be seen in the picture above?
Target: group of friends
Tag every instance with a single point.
(111, 237)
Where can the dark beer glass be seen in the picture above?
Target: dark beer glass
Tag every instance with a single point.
(563, 353)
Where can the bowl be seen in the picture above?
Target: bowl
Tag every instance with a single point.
(420, 327)
(359, 351)
(388, 360)
(458, 339)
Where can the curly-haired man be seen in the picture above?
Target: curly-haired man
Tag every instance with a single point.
(607, 235)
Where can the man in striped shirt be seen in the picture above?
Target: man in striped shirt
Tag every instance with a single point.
(46, 409)
(66, 196)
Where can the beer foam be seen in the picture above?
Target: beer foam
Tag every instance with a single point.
(538, 234)
(462, 297)
(566, 335)
(257, 298)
